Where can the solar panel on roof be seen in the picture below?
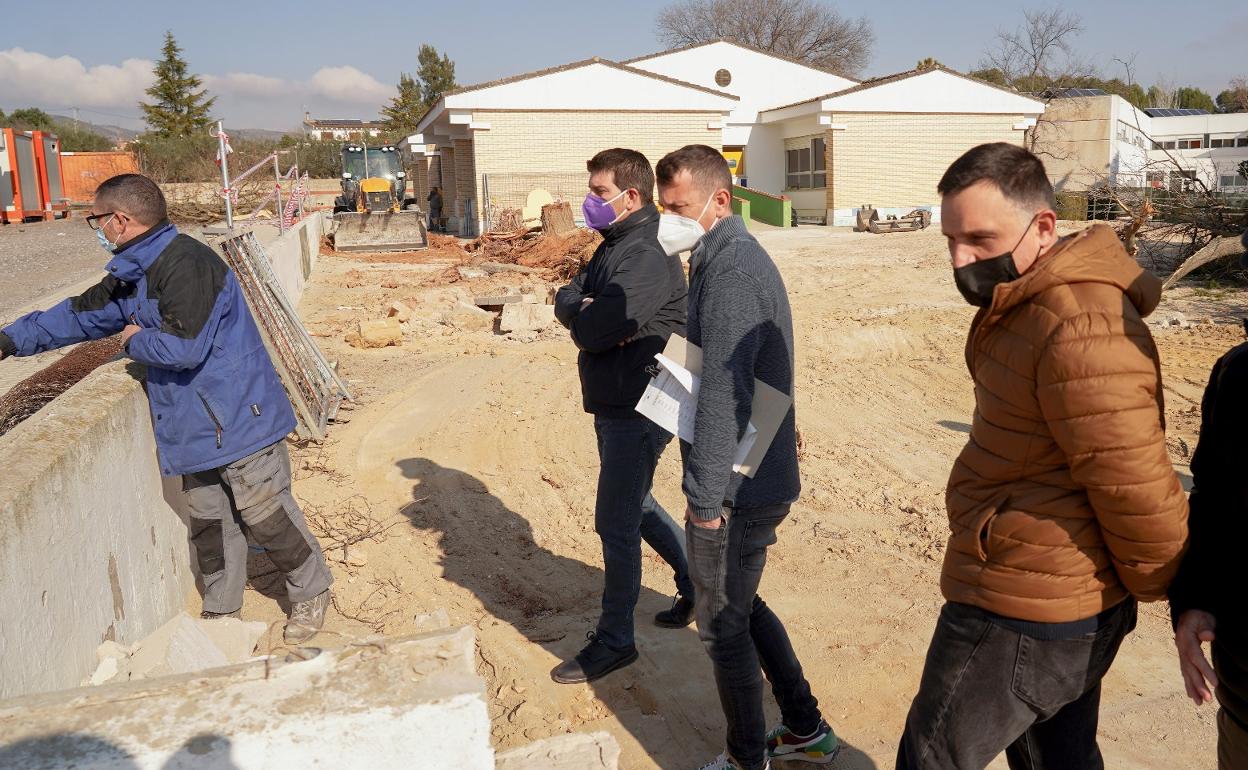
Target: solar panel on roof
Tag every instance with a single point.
(1171, 112)
(1071, 93)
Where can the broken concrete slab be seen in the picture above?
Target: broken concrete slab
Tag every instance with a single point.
(576, 751)
(377, 334)
(468, 318)
(469, 273)
(525, 317)
(182, 645)
(497, 300)
(362, 707)
(399, 310)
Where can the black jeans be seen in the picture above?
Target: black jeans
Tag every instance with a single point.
(741, 632)
(987, 689)
(625, 514)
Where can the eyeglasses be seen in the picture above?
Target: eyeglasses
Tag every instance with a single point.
(94, 220)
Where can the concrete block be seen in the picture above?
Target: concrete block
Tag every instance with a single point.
(400, 311)
(469, 318)
(469, 273)
(187, 644)
(524, 317)
(576, 751)
(529, 298)
(497, 300)
(362, 707)
(377, 334)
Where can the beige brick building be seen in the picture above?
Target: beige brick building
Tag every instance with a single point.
(498, 142)
(886, 142)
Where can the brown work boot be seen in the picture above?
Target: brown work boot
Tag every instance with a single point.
(306, 618)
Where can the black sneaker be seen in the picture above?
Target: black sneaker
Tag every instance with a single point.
(595, 661)
(679, 616)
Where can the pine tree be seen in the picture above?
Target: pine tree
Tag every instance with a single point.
(180, 106)
(436, 73)
(406, 108)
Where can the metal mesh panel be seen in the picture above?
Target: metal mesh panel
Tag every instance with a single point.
(313, 386)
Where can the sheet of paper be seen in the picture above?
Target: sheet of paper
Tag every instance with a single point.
(669, 405)
(671, 402)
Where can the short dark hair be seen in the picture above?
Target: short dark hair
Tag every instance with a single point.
(134, 194)
(1017, 173)
(706, 165)
(629, 169)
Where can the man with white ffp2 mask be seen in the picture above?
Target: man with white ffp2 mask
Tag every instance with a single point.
(621, 308)
(739, 315)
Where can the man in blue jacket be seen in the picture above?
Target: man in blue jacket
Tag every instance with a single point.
(219, 412)
(621, 309)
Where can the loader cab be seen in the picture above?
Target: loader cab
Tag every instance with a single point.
(373, 179)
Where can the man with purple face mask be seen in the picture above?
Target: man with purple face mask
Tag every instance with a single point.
(621, 308)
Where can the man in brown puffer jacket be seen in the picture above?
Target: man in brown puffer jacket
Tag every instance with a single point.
(1063, 506)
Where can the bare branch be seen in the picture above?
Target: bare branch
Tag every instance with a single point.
(805, 30)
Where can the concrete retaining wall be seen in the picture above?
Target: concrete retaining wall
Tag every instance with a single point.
(90, 549)
(294, 254)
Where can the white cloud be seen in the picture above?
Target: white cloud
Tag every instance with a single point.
(347, 84)
(30, 77)
(246, 84)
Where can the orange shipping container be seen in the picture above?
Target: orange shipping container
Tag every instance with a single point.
(85, 170)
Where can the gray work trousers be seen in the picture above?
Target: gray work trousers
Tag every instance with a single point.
(252, 494)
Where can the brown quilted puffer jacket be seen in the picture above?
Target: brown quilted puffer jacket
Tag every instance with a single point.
(1063, 501)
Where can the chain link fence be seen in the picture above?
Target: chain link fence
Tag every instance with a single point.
(500, 192)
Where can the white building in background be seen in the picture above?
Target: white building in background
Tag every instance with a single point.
(341, 129)
(1089, 138)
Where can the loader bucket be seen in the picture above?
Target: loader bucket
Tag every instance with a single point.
(379, 231)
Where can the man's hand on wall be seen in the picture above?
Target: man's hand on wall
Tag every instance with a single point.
(129, 332)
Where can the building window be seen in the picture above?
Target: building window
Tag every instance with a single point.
(1242, 141)
(806, 167)
(1223, 143)
(723, 78)
(1232, 180)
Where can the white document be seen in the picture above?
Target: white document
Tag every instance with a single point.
(671, 401)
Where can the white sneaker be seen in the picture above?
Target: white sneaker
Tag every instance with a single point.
(725, 762)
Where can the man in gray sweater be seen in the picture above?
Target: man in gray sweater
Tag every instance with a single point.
(739, 315)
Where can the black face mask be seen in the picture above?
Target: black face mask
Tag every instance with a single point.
(979, 279)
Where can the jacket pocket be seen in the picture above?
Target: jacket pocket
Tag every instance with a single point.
(983, 526)
(213, 415)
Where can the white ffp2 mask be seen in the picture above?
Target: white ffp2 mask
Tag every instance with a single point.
(677, 233)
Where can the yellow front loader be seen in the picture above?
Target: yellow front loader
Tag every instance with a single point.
(372, 213)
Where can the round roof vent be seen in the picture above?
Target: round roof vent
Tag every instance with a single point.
(723, 78)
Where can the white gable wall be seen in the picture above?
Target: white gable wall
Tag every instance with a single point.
(935, 92)
(591, 87)
(761, 81)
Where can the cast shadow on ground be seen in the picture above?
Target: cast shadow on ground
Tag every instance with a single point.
(960, 427)
(553, 600)
(56, 752)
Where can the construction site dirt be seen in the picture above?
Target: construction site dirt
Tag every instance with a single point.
(460, 489)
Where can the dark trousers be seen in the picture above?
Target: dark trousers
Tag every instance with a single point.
(1230, 661)
(741, 632)
(987, 689)
(625, 514)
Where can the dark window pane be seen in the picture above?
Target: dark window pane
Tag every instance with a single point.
(819, 161)
(803, 159)
(821, 180)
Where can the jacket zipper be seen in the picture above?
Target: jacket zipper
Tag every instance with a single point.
(213, 416)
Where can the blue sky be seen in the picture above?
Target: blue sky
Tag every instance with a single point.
(268, 61)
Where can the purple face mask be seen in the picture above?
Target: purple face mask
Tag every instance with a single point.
(598, 213)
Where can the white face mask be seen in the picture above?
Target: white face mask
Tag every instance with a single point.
(677, 233)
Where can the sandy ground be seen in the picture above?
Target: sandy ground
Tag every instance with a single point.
(470, 450)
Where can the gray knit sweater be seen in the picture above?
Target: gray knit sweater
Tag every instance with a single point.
(739, 315)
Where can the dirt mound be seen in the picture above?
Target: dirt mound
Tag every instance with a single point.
(33, 393)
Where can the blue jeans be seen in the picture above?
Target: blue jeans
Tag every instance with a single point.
(741, 633)
(625, 514)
